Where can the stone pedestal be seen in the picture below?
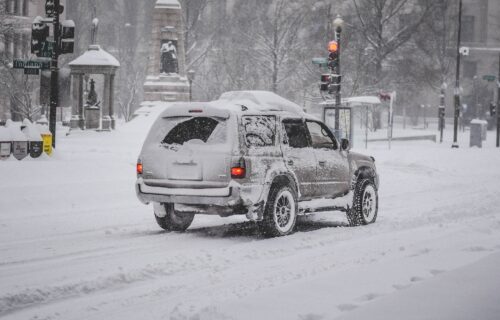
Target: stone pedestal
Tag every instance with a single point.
(166, 75)
(92, 116)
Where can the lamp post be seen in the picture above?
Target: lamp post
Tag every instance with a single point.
(338, 24)
(191, 74)
(442, 110)
(457, 80)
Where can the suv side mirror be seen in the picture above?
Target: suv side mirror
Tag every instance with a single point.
(345, 145)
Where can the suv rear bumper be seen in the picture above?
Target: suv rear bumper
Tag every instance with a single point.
(233, 195)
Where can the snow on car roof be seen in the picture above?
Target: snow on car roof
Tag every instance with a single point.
(236, 102)
(261, 101)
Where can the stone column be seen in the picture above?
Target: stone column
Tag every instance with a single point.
(112, 100)
(77, 104)
(106, 107)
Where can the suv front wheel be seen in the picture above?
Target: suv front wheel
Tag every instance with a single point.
(365, 204)
(174, 221)
(280, 214)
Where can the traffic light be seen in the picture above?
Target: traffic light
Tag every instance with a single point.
(67, 37)
(51, 10)
(325, 82)
(493, 109)
(39, 35)
(441, 112)
(333, 58)
(385, 96)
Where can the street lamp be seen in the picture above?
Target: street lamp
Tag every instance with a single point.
(338, 24)
(191, 74)
(442, 110)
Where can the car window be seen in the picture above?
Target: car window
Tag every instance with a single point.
(296, 132)
(321, 137)
(200, 129)
(260, 131)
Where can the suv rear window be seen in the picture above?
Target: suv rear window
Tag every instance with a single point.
(259, 130)
(199, 129)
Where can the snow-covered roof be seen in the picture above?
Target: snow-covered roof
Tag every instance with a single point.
(260, 100)
(95, 56)
(31, 131)
(171, 4)
(479, 121)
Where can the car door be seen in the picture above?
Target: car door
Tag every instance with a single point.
(332, 166)
(299, 156)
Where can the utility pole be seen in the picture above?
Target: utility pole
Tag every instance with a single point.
(457, 80)
(54, 77)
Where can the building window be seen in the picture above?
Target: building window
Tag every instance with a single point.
(468, 25)
(26, 8)
(470, 69)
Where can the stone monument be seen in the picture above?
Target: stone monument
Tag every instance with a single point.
(166, 72)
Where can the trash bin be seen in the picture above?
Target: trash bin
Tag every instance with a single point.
(46, 138)
(477, 132)
(19, 141)
(35, 139)
(5, 143)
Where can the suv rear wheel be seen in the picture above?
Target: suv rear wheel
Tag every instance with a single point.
(365, 204)
(280, 214)
(174, 221)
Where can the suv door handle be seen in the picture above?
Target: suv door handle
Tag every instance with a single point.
(289, 162)
(322, 163)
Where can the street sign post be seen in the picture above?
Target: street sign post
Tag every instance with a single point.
(23, 64)
(489, 77)
(32, 71)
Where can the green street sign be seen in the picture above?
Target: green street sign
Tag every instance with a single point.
(322, 62)
(31, 71)
(22, 64)
(489, 78)
(47, 49)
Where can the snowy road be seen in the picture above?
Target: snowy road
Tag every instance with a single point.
(75, 243)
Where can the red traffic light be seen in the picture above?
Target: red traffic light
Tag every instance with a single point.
(385, 96)
(333, 46)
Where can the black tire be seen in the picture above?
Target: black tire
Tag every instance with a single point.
(280, 213)
(364, 208)
(174, 221)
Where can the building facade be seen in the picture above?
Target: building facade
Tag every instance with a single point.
(15, 38)
(481, 34)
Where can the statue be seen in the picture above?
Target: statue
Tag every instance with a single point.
(92, 96)
(169, 62)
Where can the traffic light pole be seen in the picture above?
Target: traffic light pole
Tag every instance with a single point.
(338, 98)
(54, 77)
(457, 81)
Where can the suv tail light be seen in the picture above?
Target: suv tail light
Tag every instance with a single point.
(238, 170)
(139, 168)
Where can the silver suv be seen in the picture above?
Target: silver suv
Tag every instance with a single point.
(255, 154)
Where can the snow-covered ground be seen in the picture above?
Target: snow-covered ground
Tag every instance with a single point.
(75, 243)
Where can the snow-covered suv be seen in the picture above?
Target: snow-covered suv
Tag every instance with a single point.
(251, 153)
